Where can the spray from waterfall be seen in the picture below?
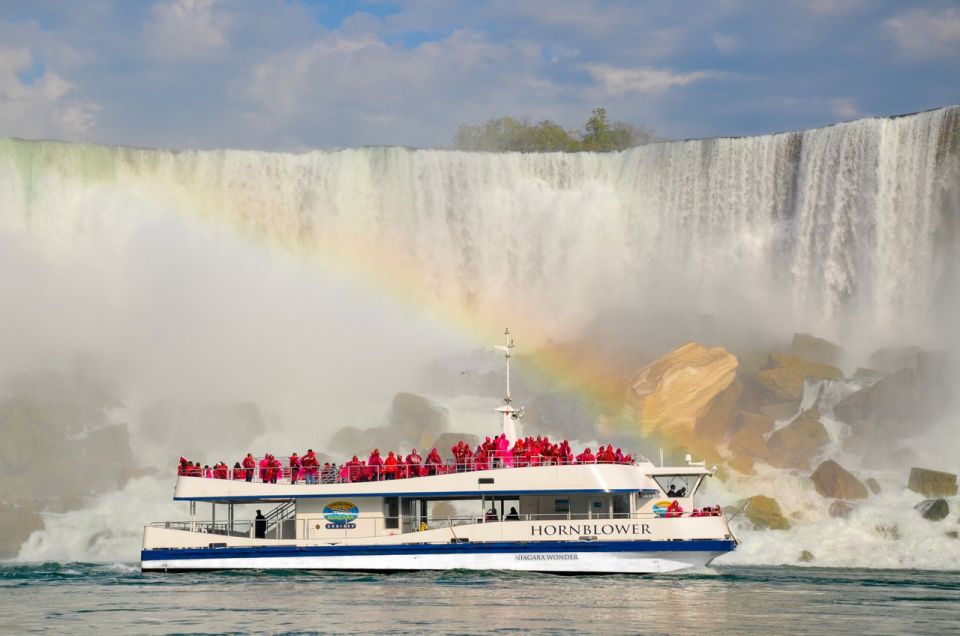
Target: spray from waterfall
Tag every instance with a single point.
(317, 285)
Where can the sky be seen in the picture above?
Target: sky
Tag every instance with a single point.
(296, 75)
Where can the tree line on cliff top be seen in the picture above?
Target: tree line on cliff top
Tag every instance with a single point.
(509, 134)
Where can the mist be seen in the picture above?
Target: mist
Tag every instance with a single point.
(316, 286)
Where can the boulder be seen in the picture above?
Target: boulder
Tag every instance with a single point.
(933, 509)
(199, 428)
(349, 441)
(869, 374)
(932, 483)
(447, 441)
(750, 438)
(840, 509)
(415, 419)
(831, 480)
(781, 410)
(805, 557)
(718, 420)
(17, 523)
(668, 395)
(764, 513)
(742, 464)
(783, 383)
(894, 359)
(784, 380)
(935, 375)
(793, 445)
(749, 362)
(890, 409)
(60, 451)
(873, 485)
(817, 349)
(563, 414)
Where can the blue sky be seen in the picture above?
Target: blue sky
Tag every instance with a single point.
(293, 75)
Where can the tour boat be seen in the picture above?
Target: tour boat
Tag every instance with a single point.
(579, 518)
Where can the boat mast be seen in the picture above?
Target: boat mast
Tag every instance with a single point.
(509, 414)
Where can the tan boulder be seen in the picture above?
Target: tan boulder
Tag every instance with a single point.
(764, 513)
(840, 508)
(718, 420)
(668, 395)
(816, 349)
(784, 383)
(742, 464)
(16, 525)
(781, 410)
(36, 432)
(784, 380)
(810, 368)
(749, 440)
(832, 480)
(932, 483)
(796, 443)
(752, 361)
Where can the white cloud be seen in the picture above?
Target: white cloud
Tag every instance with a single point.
(41, 107)
(926, 33)
(187, 29)
(619, 81)
(837, 6)
(845, 108)
(725, 44)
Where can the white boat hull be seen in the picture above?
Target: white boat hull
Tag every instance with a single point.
(566, 558)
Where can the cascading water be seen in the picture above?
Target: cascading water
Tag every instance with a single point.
(838, 225)
(846, 231)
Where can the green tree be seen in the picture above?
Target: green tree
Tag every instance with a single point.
(596, 135)
(508, 134)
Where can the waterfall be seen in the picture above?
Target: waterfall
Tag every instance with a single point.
(843, 230)
(276, 278)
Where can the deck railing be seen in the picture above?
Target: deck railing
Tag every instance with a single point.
(372, 527)
(346, 473)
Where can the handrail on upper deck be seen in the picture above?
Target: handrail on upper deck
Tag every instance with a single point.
(347, 473)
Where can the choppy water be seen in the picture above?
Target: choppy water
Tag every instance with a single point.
(80, 598)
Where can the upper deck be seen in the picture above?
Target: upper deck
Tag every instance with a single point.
(591, 478)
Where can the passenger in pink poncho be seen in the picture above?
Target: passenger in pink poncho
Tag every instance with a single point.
(503, 451)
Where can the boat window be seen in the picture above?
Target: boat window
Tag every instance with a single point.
(391, 513)
(621, 506)
(678, 485)
(561, 505)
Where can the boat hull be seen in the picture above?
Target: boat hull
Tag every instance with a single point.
(574, 557)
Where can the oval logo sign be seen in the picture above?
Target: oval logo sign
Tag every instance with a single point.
(660, 508)
(340, 513)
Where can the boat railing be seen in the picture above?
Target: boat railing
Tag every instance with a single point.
(372, 527)
(224, 528)
(352, 473)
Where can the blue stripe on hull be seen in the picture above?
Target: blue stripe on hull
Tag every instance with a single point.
(493, 547)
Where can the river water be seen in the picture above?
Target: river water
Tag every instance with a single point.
(83, 598)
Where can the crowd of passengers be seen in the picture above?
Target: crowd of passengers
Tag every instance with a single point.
(676, 510)
(489, 454)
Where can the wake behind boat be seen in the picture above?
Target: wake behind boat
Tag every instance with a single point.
(514, 504)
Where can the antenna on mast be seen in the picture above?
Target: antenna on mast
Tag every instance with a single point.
(507, 346)
(510, 415)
